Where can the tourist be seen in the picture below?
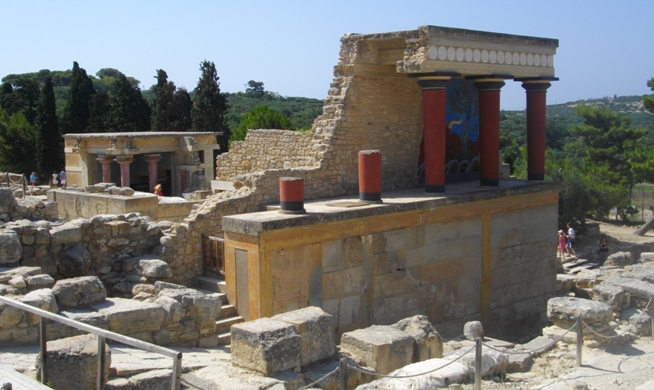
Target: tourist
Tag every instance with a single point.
(562, 244)
(55, 179)
(603, 250)
(572, 234)
(157, 190)
(33, 179)
(62, 178)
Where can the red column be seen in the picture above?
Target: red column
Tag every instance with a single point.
(489, 130)
(106, 167)
(370, 175)
(434, 132)
(124, 162)
(536, 119)
(152, 160)
(291, 195)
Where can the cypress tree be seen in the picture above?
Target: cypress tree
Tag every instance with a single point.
(163, 101)
(210, 106)
(77, 113)
(181, 111)
(49, 145)
(129, 110)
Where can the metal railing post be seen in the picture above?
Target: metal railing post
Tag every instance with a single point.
(176, 380)
(478, 363)
(343, 373)
(580, 341)
(101, 351)
(43, 350)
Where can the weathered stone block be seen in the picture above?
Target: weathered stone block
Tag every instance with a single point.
(74, 262)
(40, 281)
(564, 311)
(608, 293)
(128, 316)
(266, 345)
(43, 299)
(428, 342)
(9, 316)
(67, 233)
(437, 378)
(316, 329)
(7, 200)
(73, 362)
(382, 348)
(80, 291)
(619, 259)
(472, 330)
(10, 248)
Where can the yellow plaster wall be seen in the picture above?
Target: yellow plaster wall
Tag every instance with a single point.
(453, 263)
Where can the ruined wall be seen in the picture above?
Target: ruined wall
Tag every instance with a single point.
(266, 149)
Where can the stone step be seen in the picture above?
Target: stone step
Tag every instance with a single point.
(582, 267)
(573, 264)
(226, 311)
(224, 324)
(223, 297)
(211, 284)
(224, 338)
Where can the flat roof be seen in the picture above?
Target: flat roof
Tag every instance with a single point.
(143, 134)
(320, 210)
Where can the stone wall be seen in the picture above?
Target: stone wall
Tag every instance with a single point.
(490, 260)
(266, 149)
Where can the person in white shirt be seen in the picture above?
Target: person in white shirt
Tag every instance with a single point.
(571, 240)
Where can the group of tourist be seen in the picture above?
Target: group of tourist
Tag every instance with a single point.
(58, 179)
(567, 243)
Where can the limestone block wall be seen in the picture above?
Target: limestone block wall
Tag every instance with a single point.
(489, 260)
(266, 149)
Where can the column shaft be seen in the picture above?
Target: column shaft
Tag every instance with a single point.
(489, 131)
(152, 160)
(536, 124)
(106, 167)
(124, 170)
(434, 132)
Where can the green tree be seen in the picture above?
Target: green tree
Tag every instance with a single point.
(181, 111)
(129, 111)
(163, 101)
(77, 114)
(210, 106)
(17, 141)
(21, 95)
(100, 109)
(261, 117)
(648, 101)
(49, 145)
(255, 89)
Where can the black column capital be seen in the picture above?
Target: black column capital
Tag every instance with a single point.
(490, 85)
(433, 83)
(535, 87)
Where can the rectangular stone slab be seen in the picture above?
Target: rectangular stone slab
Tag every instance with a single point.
(316, 329)
(266, 345)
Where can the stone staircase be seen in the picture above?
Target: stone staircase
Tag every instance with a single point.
(228, 315)
(575, 266)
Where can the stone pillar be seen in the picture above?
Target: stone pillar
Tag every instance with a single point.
(291, 195)
(434, 130)
(124, 162)
(536, 117)
(489, 130)
(106, 167)
(370, 174)
(152, 160)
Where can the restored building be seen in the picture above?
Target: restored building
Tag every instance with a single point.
(452, 239)
(180, 162)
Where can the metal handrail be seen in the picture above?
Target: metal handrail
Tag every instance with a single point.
(102, 335)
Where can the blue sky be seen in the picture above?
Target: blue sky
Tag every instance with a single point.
(605, 47)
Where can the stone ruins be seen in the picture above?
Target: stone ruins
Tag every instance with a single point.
(444, 244)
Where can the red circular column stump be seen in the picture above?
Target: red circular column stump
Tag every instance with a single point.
(291, 195)
(370, 174)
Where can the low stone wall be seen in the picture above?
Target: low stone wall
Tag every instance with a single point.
(263, 150)
(164, 314)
